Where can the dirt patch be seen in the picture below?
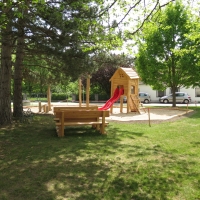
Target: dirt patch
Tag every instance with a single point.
(185, 115)
(156, 115)
(157, 121)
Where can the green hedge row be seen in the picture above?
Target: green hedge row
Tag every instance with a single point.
(63, 96)
(60, 96)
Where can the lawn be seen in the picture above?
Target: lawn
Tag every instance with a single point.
(132, 162)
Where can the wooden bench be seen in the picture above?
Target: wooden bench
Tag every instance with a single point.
(96, 118)
(57, 109)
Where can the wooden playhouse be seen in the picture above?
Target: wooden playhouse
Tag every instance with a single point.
(128, 79)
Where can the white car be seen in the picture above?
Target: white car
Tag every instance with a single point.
(143, 96)
(181, 97)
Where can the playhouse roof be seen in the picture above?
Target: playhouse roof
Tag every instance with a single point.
(129, 73)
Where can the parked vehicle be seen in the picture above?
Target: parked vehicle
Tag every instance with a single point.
(181, 97)
(125, 99)
(143, 96)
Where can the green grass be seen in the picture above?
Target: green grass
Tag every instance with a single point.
(37, 99)
(134, 161)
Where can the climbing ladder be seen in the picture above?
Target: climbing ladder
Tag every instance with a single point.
(135, 103)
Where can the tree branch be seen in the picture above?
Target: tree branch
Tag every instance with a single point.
(151, 14)
(128, 12)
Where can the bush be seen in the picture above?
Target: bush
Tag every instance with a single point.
(101, 97)
(60, 96)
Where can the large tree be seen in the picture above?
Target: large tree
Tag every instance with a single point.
(59, 34)
(5, 66)
(165, 58)
(65, 33)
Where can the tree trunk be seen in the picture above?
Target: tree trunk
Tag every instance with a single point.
(173, 82)
(5, 77)
(18, 77)
(18, 67)
(174, 96)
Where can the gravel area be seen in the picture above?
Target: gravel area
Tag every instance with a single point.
(151, 115)
(155, 115)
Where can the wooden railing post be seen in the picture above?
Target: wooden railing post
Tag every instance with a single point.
(40, 106)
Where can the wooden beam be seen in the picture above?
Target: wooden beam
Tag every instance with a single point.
(80, 92)
(88, 91)
(49, 98)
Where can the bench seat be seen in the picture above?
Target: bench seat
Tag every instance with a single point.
(79, 123)
(70, 117)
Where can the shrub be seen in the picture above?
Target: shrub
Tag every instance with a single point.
(58, 96)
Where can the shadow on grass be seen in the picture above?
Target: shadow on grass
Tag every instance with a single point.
(196, 113)
(36, 164)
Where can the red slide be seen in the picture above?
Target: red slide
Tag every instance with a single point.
(117, 93)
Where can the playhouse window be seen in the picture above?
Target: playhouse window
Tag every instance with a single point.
(121, 75)
(132, 89)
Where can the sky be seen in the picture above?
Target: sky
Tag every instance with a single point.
(136, 15)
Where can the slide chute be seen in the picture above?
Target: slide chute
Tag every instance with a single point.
(117, 93)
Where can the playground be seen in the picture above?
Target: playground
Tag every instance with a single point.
(124, 83)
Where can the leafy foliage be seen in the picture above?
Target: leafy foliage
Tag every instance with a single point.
(106, 65)
(167, 57)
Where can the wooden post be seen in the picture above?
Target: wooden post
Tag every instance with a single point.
(121, 104)
(46, 108)
(88, 91)
(62, 125)
(128, 96)
(49, 98)
(111, 93)
(103, 123)
(40, 106)
(80, 92)
(149, 117)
